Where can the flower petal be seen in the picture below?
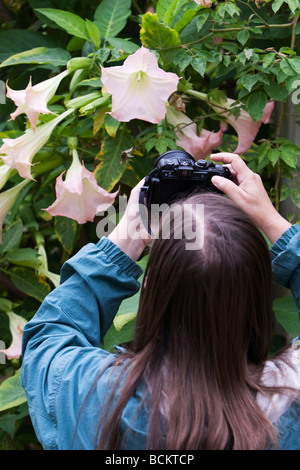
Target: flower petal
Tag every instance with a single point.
(139, 88)
(79, 197)
(33, 100)
(16, 326)
(245, 127)
(18, 153)
(198, 146)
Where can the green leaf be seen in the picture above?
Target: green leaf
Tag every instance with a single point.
(24, 257)
(286, 67)
(199, 65)
(111, 125)
(183, 59)
(290, 160)
(156, 35)
(187, 18)
(114, 337)
(11, 392)
(255, 105)
(201, 20)
(243, 36)
(268, 59)
(295, 196)
(288, 153)
(276, 5)
(122, 329)
(273, 156)
(227, 8)
(276, 92)
(14, 41)
(93, 32)
(111, 168)
(66, 231)
(124, 45)
(293, 5)
(39, 55)
(295, 64)
(111, 16)
(168, 9)
(11, 238)
(29, 282)
(9, 420)
(285, 191)
(248, 81)
(286, 313)
(70, 22)
(6, 305)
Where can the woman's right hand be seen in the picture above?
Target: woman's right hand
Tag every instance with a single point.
(248, 192)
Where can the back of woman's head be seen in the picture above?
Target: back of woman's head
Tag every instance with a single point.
(211, 294)
(203, 331)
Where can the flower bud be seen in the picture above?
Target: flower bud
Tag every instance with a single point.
(78, 63)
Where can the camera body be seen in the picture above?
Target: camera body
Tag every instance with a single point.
(176, 173)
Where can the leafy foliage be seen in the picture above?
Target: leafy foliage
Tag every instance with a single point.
(244, 50)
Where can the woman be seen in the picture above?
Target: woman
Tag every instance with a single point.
(198, 375)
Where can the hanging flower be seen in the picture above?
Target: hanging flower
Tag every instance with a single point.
(7, 200)
(203, 3)
(244, 125)
(18, 153)
(5, 172)
(43, 269)
(16, 326)
(33, 100)
(139, 88)
(79, 197)
(198, 146)
(246, 128)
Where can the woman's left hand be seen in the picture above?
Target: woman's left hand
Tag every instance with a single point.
(130, 235)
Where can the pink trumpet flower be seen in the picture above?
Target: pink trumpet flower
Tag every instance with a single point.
(203, 3)
(33, 100)
(198, 146)
(5, 172)
(244, 125)
(79, 197)
(139, 88)
(18, 153)
(16, 326)
(246, 128)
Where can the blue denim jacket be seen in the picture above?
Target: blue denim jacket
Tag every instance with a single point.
(62, 357)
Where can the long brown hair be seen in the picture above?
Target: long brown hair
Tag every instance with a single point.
(203, 333)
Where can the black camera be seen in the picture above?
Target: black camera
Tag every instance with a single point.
(177, 173)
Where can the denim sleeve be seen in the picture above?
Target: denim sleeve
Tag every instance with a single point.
(63, 338)
(285, 254)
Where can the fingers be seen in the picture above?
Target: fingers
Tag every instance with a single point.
(237, 164)
(227, 187)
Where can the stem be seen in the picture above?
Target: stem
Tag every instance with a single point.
(294, 22)
(253, 11)
(225, 30)
(278, 169)
(261, 26)
(278, 127)
(197, 94)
